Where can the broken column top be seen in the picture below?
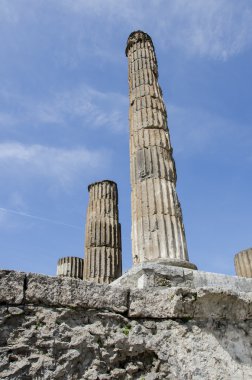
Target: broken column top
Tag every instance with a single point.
(103, 234)
(106, 189)
(243, 263)
(70, 267)
(103, 190)
(102, 182)
(135, 37)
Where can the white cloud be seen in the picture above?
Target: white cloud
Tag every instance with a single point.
(5, 213)
(218, 29)
(215, 28)
(95, 108)
(60, 165)
(92, 108)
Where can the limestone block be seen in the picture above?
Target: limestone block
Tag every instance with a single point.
(162, 303)
(243, 263)
(202, 303)
(217, 303)
(166, 273)
(73, 292)
(240, 284)
(169, 333)
(12, 286)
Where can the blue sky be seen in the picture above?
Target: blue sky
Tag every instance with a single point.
(64, 121)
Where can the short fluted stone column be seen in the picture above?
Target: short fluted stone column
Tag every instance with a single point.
(243, 263)
(157, 224)
(70, 267)
(103, 257)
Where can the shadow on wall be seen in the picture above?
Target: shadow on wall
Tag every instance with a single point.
(234, 338)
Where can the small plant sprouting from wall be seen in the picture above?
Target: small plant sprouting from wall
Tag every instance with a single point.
(126, 329)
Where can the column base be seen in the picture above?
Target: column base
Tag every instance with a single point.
(157, 273)
(172, 262)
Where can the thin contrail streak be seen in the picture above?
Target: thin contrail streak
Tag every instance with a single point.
(20, 213)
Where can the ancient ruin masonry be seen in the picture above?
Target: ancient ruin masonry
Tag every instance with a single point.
(103, 261)
(157, 224)
(70, 267)
(155, 322)
(69, 329)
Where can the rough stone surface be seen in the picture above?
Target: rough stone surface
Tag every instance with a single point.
(12, 287)
(182, 303)
(70, 267)
(243, 263)
(157, 223)
(62, 329)
(103, 251)
(65, 291)
(63, 343)
(151, 274)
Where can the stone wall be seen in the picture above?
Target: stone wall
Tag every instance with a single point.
(64, 328)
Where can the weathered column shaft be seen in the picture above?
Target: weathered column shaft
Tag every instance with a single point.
(157, 225)
(243, 263)
(103, 262)
(70, 267)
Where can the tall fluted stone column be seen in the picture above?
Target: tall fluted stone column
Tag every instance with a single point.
(157, 224)
(103, 261)
(70, 267)
(243, 263)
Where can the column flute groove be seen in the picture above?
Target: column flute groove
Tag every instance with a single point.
(157, 224)
(243, 263)
(70, 267)
(103, 262)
